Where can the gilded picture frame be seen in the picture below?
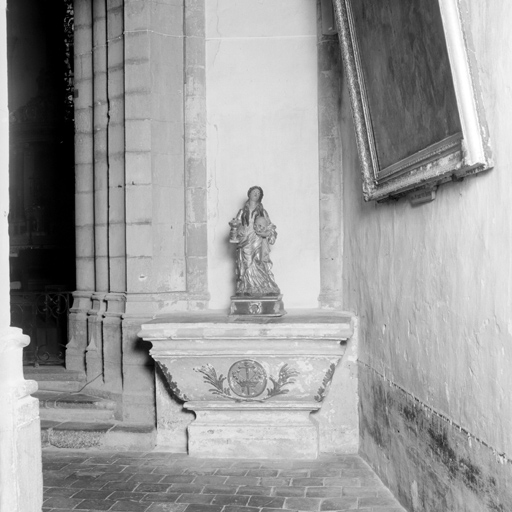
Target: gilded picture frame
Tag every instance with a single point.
(415, 99)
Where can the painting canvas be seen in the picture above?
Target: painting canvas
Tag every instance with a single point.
(407, 94)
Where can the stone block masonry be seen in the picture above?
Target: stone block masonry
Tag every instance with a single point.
(428, 461)
(140, 187)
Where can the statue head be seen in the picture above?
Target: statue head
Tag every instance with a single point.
(259, 196)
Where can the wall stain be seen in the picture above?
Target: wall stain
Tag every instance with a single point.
(416, 443)
(496, 507)
(441, 446)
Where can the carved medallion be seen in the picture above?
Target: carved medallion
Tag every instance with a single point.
(247, 378)
(255, 308)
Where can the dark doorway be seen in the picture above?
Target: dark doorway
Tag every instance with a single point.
(41, 170)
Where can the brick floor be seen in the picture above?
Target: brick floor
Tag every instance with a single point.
(163, 482)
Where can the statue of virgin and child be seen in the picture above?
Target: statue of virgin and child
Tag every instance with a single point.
(254, 233)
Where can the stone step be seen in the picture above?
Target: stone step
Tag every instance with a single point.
(55, 378)
(57, 406)
(97, 435)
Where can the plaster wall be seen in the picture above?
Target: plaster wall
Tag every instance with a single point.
(262, 129)
(432, 286)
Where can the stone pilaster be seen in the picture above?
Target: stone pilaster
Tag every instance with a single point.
(195, 148)
(84, 187)
(155, 206)
(330, 175)
(116, 147)
(100, 127)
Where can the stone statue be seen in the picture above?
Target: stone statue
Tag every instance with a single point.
(252, 230)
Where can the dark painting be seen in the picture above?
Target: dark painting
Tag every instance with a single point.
(407, 76)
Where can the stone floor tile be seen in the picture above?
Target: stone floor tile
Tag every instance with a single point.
(322, 472)
(146, 487)
(220, 489)
(91, 494)
(61, 502)
(323, 492)
(242, 480)
(164, 469)
(342, 482)
(200, 471)
(262, 472)
(115, 477)
(266, 501)
(65, 492)
(236, 508)
(144, 477)
(120, 486)
(297, 492)
(359, 492)
(205, 499)
(254, 490)
(189, 488)
(54, 465)
(294, 473)
(178, 479)
(345, 503)
(277, 464)
(231, 471)
(167, 507)
(307, 482)
(377, 501)
(95, 505)
(230, 499)
(135, 469)
(126, 495)
(312, 504)
(275, 482)
(163, 455)
(247, 464)
(218, 463)
(131, 506)
(203, 508)
(161, 496)
(87, 484)
(211, 479)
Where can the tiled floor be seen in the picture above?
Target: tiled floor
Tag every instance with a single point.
(164, 482)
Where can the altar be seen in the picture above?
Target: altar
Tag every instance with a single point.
(256, 385)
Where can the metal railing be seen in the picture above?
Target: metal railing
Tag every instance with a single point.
(44, 317)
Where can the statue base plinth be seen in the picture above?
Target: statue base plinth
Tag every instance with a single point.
(253, 306)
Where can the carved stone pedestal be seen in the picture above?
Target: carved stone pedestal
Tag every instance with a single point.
(252, 385)
(256, 306)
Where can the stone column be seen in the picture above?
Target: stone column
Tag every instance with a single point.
(115, 299)
(21, 482)
(84, 188)
(330, 178)
(195, 149)
(94, 354)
